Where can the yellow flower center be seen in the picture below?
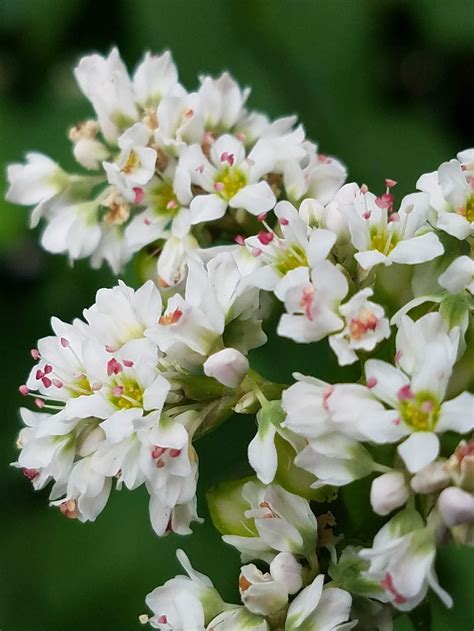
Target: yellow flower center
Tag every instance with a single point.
(420, 412)
(163, 199)
(383, 241)
(290, 259)
(132, 163)
(228, 181)
(126, 394)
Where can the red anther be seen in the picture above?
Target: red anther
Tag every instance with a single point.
(262, 216)
(390, 183)
(47, 369)
(39, 403)
(139, 194)
(35, 353)
(239, 239)
(394, 217)
(24, 390)
(110, 349)
(174, 453)
(39, 374)
(117, 391)
(405, 393)
(57, 383)
(397, 421)
(265, 238)
(113, 367)
(31, 474)
(163, 619)
(157, 451)
(46, 381)
(228, 157)
(385, 201)
(171, 318)
(283, 221)
(371, 382)
(64, 342)
(160, 464)
(326, 395)
(367, 214)
(128, 363)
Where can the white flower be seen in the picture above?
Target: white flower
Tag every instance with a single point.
(459, 275)
(283, 521)
(238, 619)
(184, 603)
(35, 183)
(135, 164)
(260, 592)
(173, 261)
(451, 197)
(105, 82)
(402, 559)
(228, 366)
(298, 247)
(401, 237)
(388, 491)
(365, 327)
(229, 178)
(456, 506)
(262, 453)
(221, 102)
(316, 608)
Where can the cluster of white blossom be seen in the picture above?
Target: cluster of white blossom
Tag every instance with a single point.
(245, 218)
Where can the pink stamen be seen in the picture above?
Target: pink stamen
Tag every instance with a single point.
(396, 421)
(228, 157)
(367, 214)
(405, 393)
(46, 381)
(110, 349)
(189, 112)
(174, 453)
(157, 452)
(371, 382)
(35, 353)
(139, 194)
(47, 369)
(324, 159)
(39, 403)
(326, 395)
(218, 186)
(113, 367)
(171, 318)
(57, 383)
(394, 217)
(128, 363)
(39, 374)
(385, 201)
(64, 342)
(265, 238)
(390, 183)
(262, 216)
(364, 189)
(24, 390)
(283, 221)
(306, 301)
(239, 239)
(117, 391)
(147, 222)
(200, 169)
(162, 620)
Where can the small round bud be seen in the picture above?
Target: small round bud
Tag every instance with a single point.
(228, 366)
(431, 478)
(388, 491)
(456, 506)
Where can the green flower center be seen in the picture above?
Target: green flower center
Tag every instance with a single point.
(228, 181)
(163, 200)
(126, 394)
(79, 387)
(290, 259)
(383, 241)
(468, 210)
(420, 412)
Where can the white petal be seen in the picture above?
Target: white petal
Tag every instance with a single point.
(262, 453)
(207, 208)
(419, 450)
(417, 250)
(255, 198)
(457, 415)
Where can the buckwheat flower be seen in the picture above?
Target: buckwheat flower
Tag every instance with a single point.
(311, 301)
(399, 237)
(184, 603)
(192, 327)
(417, 402)
(283, 522)
(135, 164)
(365, 326)
(297, 247)
(229, 178)
(402, 559)
(172, 263)
(317, 608)
(388, 491)
(238, 619)
(180, 122)
(105, 82)
(166, 199)
(260, 592)
(227, 366)
(36, 183)
(451, 195)
(122, 314)
(222, 102)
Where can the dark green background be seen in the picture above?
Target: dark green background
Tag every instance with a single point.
(387, 86)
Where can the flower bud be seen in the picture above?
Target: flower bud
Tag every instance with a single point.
(431, 478)
(461, 465)
(456, 506)
(90, 153)
(286, 570)
(228, 366)
(89, 440)
(260, 593)
(388, 491)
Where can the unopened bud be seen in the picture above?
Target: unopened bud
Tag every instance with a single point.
(456, 506)
(431, 478)
(388, 491)
(259, 592)
(286, 570)
(228, 366)
(89, 440)
(90, 152)
(461, 465)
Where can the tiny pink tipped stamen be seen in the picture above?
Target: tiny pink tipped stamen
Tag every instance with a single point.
(64, 342)
(24, 390)
(265, 238)
(218, 186)
(128, 363)
(239, 239)
(405, 393)
(371, 382)
(139, 194)
(34, 352)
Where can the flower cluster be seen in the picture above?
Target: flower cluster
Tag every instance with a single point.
(244, 221)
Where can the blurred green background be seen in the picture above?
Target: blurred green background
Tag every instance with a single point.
(387, 86)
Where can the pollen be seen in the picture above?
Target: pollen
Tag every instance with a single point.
(132, 164)
(171, 318)
(359, 327)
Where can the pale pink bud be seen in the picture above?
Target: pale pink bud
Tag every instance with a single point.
(431, 478)
(456, 506)
(228, 366)
(388, 491)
